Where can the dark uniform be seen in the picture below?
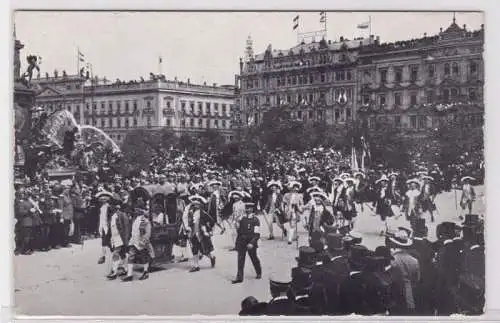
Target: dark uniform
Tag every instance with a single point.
(248, 234)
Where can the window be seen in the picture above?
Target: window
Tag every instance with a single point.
(110, 107)
(323, 77)
(135, 122)
(69, 108)
(77, 109)
(200, 123)
(119, 137)
(398, 76)
(223, 123)
(149, 122)
(430, 96)
(371, 122)
(422, 122)
(126, 123)
(278, 100)
(288, 99)
(183, 106)
(431, 70)
(111, 123)
(349, 75)
(191, 107)
(397, 98)
(299, 114)
(472, 94)
(119, 123)
(414, 74)
(397, 121)
(320, 115)
(348, 114)
(383, 76)
(473, 67)
(127, 107)
(216, 123)
(455, 69)
(135, 106)
(447, 69)
(322, 96)
(224, 106)
(366, 99)
(268, 100)
(294, 80)
(169, 123)
(311, 79)
(413, 122)
(454, 93)
(191, 123)
(118, 107)
(413, 99)
(216, 106)
(104, 123)
(446, 95)
(200, 107)
(381, 99)
(337, 114)
(207, 123)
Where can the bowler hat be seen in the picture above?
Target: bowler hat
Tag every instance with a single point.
(306, 256)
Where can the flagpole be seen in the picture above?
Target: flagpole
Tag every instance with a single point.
(370, 25)
(77, 60)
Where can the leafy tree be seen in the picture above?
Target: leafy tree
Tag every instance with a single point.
(138, 148)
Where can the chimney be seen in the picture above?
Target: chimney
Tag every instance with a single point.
(441, 29)
(241, 65)
(204, 83)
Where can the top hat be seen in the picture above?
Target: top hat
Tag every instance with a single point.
(301, 279)
(471, 219)
(315, 236)
(470, 232)
(357, 255)
(317, 245)
(306, 256)
(419, 228)
(334, 241)
(279, 284)
(446, 230)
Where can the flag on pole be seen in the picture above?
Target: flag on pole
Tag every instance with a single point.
(81, 57)
(364, 25)
(354, 158)
(160, 60)
(296, 22)
(322, 18)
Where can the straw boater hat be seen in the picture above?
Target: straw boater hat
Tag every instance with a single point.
(104, 195)
(401, 238)
(235, 193)
(295, 183)
(313, 178)
(197, 198)
(428, 177)
(274, 183)
(467, 178)
(381, 179)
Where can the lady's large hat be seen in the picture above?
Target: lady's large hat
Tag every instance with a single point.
(293, 184)
(382, 179)
(235, 194)
(467, 178)
(197, 198)
(313, 178)
(274, 183)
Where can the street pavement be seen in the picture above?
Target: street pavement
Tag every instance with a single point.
(69, 281)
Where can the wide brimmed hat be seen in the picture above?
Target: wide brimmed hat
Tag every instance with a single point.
(311, 190)
(349, 179)
(413, 180)
(344, 175)
(359, 174)
(274, 183)
(428, 177)
(467, 178)
(214, 182)
(197, 198)
(313, 178)
(334, 241)
(293, 184)
(338, 179)
(321, 195)
(258, 308)
(104, 194)
(382, 179)
(352, 238)
(306, 256)
(400, 238)
(235, 194)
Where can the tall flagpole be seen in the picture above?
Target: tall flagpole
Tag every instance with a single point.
(370, 25)
(77, 60)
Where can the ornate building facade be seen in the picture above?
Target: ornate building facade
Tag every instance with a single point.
(313, 81)
(414, 84)
(116, 108)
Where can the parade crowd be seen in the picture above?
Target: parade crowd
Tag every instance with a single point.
(315, 190)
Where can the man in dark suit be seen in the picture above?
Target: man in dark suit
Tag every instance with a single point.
(247, 242)
(352, 290)
(283, 299)
(423, 251)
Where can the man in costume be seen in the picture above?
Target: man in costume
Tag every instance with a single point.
(104, 216)
(273, 209)
(468, 195)
(247, 242)
(427, 196)
(293, 205)
(198, 225)
(216, 202)
(120, 234)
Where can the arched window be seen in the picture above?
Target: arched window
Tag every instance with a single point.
(455, 69)
(447, 69)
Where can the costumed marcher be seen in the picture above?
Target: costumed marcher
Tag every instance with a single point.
(198, 225)
(120, 229)
(247, 242)
(273, 209)
(293, 205)
(216, 202)
(411, 205)
(383, 202)
(320, 215)
(140, 250)
(103, 198)
(349, 212)
(427, 196)
(361, 188)
(468, 195)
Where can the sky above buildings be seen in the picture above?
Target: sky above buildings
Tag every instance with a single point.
(202, 46)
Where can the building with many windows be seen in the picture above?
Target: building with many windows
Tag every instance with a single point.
(412, 84)
(313, 81)
(118, 107)
(416, 83)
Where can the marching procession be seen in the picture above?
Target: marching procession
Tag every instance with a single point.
(335, 273)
